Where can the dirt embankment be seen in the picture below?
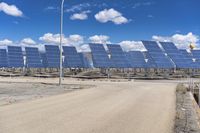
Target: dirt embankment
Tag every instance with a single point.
(187, 120)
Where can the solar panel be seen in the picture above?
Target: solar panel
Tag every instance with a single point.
(180, 60)
(118, 57)
(53, 56)
(3, 58)
(196, 54)
(184, 52)
(150, 62)
(84, 60)
(157, 55)
(15, 57)
(44, 60)
(136, 59)
(99, 56)
(33, 59)
(71, 58)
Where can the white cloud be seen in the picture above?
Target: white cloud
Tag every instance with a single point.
(181, 41)
(75, 39)
(55, 39)
(102, 39)
(10, 10)
(132, 45)
(6, 42)
(52, 38)
(80, 16)
(28, 41)
(78, 7)
(111, 15)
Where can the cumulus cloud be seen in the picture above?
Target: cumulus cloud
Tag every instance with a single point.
(10, 10)
(102, 39)
(55, 39)
(111, 15)
(75, 39)
(28, 41)
(181, 41)
(132, 45)
(52, 38)
(80, 16)
(6, 42)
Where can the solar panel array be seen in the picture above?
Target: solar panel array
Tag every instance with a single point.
(157, 55)
(99, 56)
(33, 58)
(168, 56)
(118, 57)
(71, 58)
(53, 56)
(3, 58)
(180, 60)
(136, 59)
(15, 57)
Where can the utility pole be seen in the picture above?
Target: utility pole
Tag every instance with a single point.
(61, 35)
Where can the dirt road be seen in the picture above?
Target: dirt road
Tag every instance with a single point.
(125, 107)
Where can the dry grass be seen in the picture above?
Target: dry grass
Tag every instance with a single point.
(181, 88)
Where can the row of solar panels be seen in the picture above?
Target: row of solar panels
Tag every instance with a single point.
(167, 56)
(13, 57)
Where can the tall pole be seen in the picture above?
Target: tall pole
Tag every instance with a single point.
(61, 35)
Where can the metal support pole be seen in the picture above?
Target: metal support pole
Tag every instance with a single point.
(61, 35)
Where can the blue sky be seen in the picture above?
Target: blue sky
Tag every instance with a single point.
(136, 19)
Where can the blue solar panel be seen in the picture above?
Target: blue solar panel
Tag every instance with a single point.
(99, 56)
(53, 56)
(136, 59)
(187, 54)
(157, 55)
(84, 60)
(33, 59)
(196, 54)
(152, 46)
(44, 60)
(3, 58)
(150, 62)
(180, 60)
(71, 58)
(118, 57)
(15, 57)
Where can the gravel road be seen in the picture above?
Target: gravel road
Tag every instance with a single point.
(109, 107)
